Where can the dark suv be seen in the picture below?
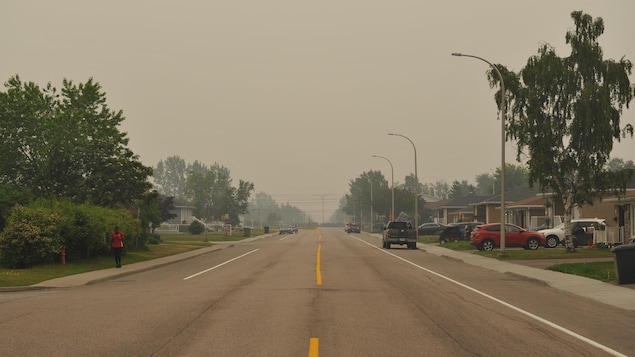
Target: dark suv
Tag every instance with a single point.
(458, 231)
(352, 227)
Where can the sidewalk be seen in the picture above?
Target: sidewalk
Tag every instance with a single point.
(621, 296)
(97, 276)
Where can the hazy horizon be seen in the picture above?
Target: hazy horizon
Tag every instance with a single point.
(315, 86)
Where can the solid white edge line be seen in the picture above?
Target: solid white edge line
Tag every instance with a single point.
(526, 313)
(219, 265)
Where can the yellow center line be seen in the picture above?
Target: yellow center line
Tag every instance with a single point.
(317, 266)
(313, 347)
(318, 271)
(314, 341)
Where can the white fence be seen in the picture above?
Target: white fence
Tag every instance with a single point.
(168, 228)
(610, 236)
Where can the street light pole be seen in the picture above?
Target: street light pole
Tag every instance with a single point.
(371, 204)
(416, 183)
(502, 119)
(361, 212)
(392, 187)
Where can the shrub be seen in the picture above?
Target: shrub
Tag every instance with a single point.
(196, 228)
(31, 236)
(37, 233)
(154, 239)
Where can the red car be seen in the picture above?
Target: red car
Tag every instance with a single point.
(487, 237)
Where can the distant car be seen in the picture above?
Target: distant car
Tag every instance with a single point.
(286, 230)
(352, 227)
(487, 237)
(580, 229)
(458, 231)
(294, 229)
(431, 228)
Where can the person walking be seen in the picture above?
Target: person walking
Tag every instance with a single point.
(117, 245)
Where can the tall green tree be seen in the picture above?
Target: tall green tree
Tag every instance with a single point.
(516, 176)
(263, 210)
(618, 164)
(169, 176)
(67, 144)
(439, 189)
(412, 184)
(358, 201)
(486, 185)
(565, 111)
(211, 192)
(462, 189)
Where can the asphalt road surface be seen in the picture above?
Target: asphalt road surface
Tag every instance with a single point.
(315, 293)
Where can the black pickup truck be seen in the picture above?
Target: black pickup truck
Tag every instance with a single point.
(399, 232)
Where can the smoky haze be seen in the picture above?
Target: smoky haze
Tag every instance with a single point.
(297, 96)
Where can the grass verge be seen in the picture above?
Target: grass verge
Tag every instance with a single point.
(604, 271)
(171, 244)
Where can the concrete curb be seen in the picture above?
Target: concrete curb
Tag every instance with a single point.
(98, 276)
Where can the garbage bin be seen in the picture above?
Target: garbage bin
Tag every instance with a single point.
(247, 231)
(624, 257)
(266, 229)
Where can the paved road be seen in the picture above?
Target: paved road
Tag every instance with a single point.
(314, 293)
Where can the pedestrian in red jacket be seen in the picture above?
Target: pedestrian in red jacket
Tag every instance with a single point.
(117, 245)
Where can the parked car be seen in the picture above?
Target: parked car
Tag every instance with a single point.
(431, 228)
(458, 231)
(487, 237)
(352, 227)
(580, 229)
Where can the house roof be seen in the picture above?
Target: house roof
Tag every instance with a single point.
(181, 203)
(435, 205)
(529, 202)
(628, 197)
(512, 196)
(429, 198)
(463, 202)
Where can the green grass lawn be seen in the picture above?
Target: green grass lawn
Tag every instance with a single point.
(604, 271)
(546, 253)
(171, 244)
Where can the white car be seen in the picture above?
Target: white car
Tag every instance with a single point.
(579, 230)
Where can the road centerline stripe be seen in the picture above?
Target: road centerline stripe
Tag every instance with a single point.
(314, 344)
(318, 269)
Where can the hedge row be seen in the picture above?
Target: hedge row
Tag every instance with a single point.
(37, 233)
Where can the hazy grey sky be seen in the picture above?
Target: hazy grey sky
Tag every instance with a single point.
(296, 96)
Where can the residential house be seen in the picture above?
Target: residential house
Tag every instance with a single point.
(531, 209)
(488, 209)
(618, 211)
(457, 210)
(436, 212)
(184, 212)
(535, 212)
(525, 207)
